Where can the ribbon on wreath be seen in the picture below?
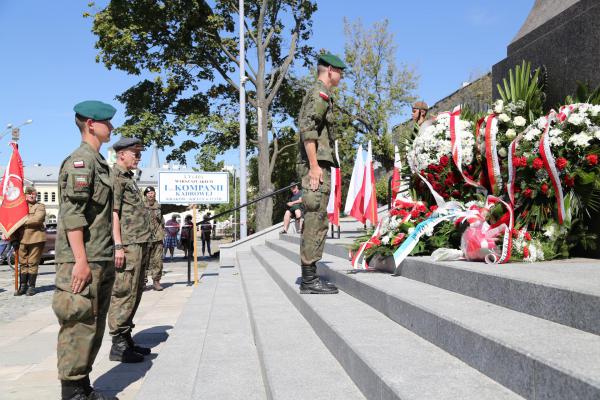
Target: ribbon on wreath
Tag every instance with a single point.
(512, 170)
(455, 143)
(358, 260)
(507, 240)
(550, 165)
(491, 154)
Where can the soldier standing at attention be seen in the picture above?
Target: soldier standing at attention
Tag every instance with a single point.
(32, 243)
(84, 252)
(155, 248)
(315, 160)
(132, 234)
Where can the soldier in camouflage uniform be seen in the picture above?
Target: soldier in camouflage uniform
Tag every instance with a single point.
(315, 161)
(155, 248)
(84, 252)
(407, 135)
(131, 231)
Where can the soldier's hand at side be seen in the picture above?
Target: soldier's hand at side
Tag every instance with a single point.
(80, 276)
(119, 258)
(316, 177)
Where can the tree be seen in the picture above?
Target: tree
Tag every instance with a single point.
(375, 88)
(186, 44)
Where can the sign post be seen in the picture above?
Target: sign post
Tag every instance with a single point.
(192, 189)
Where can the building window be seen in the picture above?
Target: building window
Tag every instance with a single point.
(39, 196)
(54, 197)
(45, 197)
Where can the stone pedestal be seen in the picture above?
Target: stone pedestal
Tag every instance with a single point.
(563, 36)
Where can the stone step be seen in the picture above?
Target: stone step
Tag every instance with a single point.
(532, 356)
(294, 362)
(211, 353)
(563, 291)
(385, 360)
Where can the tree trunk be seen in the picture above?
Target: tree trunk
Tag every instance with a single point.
(264, 208)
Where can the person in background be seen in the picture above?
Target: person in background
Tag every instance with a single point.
(186, 235)
(31, 247)
(294, 208)
(155, 248)
(205, 232)
(171, 231)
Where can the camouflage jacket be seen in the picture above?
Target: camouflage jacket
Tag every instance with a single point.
(157, 223)
(316, 123)
(128, 203)
(85, 193)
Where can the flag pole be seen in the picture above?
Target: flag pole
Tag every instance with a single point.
(16, 253)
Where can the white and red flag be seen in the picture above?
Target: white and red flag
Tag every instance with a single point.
(397, 175)
(13, 207)
(335, 195)
(354, 199)
(370, 193)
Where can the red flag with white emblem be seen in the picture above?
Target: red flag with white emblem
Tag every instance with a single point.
(13, 207)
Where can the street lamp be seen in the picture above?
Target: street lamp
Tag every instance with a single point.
(15, 130)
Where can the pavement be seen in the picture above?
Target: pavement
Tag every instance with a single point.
(28, 334)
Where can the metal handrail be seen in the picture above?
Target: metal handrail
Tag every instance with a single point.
(250, 202)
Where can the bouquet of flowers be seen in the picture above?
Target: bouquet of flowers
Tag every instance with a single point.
(434, 152)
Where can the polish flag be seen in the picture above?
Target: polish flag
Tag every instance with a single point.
(396, 177)
(335, 195)
(13, 207)
(370, 193)
(354, 199)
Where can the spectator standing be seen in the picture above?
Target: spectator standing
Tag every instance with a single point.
(171, 231)
(33, 239)
(155, 248)
(205, 232)
(186, 235)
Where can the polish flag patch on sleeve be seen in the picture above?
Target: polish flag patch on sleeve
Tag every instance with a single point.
(324, 96)
(78, 164)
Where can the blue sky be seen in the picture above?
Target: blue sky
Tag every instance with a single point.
(48, 58)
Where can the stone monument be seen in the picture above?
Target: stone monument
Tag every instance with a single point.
(564, 37)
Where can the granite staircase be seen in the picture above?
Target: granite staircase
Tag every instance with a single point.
(453, 330)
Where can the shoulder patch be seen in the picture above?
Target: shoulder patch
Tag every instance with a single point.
(324, 96)
(80, 182)
(79, 164)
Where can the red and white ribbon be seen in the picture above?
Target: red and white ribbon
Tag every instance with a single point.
(507, 240)
(565, 111)
(491, 154)
(358, 259)
(550, 165)
(456, 143)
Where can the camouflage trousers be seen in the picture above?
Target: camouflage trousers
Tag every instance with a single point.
(155, 264)
(316, 223)
(29, 257)
(82, 318)
(128, 288)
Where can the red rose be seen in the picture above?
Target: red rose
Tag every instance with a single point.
(427, 215)
(415, 213)
(538, 163)
(398, 239)
(445, 195)
(544, 188)
(527, 236)
(515, 233)
(421, 207)
(433, 208)
(527, 193)
(376, 241)
(444, 160)
(523, 161)
(569, 181)
(455, 193)
(561, 163)
(436, 186)
(430, 177)
(525, 252)
(403, 213)
(592, 159)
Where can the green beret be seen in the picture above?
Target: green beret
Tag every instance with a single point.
(95, 110)
(124, 143)
(330, 59)
(30, 189)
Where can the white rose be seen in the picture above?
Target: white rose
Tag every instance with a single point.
(520, 121)
(575, 119)
(511, 133)
(503, 117)
(498, 106)
(532, 134)
(502, 152)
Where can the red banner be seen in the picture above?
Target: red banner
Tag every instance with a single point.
(13, 207)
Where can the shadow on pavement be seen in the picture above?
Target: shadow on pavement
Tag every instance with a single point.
(122, 375)
(45, 288)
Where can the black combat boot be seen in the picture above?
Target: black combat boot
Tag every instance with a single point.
(31, 289)
(100, 396)
(75, 390)
(138, 349)
(311, 283)
(22, 285)
(123, 352)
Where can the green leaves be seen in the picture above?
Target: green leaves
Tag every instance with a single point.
(524, 86)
